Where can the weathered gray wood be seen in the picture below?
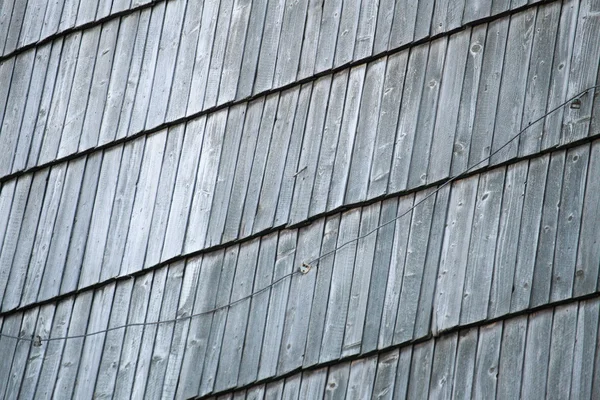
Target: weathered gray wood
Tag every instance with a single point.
(359, 291)
(420, 370)
(465, 364)
(569, 222)
(256, 392)
(584, 352)
(328, 33)
(339, 292)
(300, 300)
(170, 39)
(204, 190)
(412, 280)
(20, 358)
(362, 151)
(542, 275)
(365, 35)
(6, 71)
(10, 326)
(308, 58)
(337, 188)
(423, 23)
(362, 378)
(487, 95)
(243, 168)
(251, 352)
(313, 383)
(402, 373)
(383, 26)
(143, 205)
(386, 128)
(530, 231)
(16, 22)
(588, 255)
(454, 258)
(476, 9)
(514, 82)
(5, 12)
(7, 191)
(284, 265)
(560, 364)
(291, 390)
(537, 348)
(407, 122)
(104, 7)
(184, 189)
(321, 292)
(395, 273)
(403, 25)
(511, 358)
(86, 13)
(265, 71)
(306, 173)
(442, 370)
(447, 15)
(487, 360)
(251, 48)
(538, 80)
(507, 245)
(337, 381)
(288, 54)
(383, 388)
(482, 247)
(346, 39)
(237, 317)
(120, 5)
(446, 119)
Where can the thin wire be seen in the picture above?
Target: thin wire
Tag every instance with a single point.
(37, 340)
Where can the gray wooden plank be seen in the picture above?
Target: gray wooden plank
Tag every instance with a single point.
(507, 245)
(243, 168)
(133, 75)
(218, 54)
(225, 175)
(386, 127)
(359, 291)
(284, 265)
(251, 49)
(542, 275)
(274, 390)
(449, 104)
(395, 273)
(11, 297)
(259, 162)
(454, 257)
(164, 332)
(564, 330)
(447, 15)
(403, 25)
(387, 363)
(52, 18)
(308, 58)
(442, 370)
(291, 390)
(256, 392)
(136, 239)
(16, 22)
(267, 59)
(104, 8)
(100, 217)
(344, 49)
(337, 381)
(300, 300)
(329, 140)
(306, 174)
(363, 149)
(288, 54)
(204, 190)
(414, 266)
(585, 339)
(184, 63)
(489, 89)
(367, 25)
(586, 273)
(216, 339)
(538, 79)
(78, 94)
(339, 292)
(45, 229)
(313, 383)
(120, 5)
(249, 364)
(21, 353)
(569, 222)
(328, 33)
(476, 9)
(421, 152)
(8, 346)
(407, 121)
(321, 293)
(111, 353)
(237, 317)
(337, 188)
(511, 98)
(383, 28)
(499, 6)
(420, 370)
(482, 247)
(530, 231)
(86, 13)
(485, 376)
(170, 39)
(561, 65)
(512, 353)
(234, 52)
(6, 71)
(7, 191)
(183, 190)
(402, 373)
(464, 368)
(362, 378)
(98, 95)
(164, 194)
(537, 348)
(424, 15)
(5, 12)
(93, 346)
(143, 94)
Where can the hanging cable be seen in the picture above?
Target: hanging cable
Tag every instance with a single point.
(305, 266)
